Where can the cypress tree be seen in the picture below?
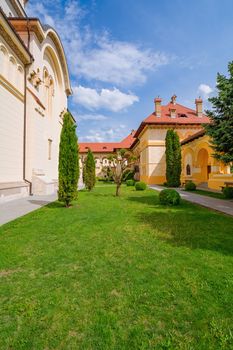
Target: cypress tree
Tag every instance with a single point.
(177, 160)
(173, 159)
(68, 162)
(89, 171)
(221, 127)
(169, 157)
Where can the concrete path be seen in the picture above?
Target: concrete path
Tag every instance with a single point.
(221, 205)
(14, 209)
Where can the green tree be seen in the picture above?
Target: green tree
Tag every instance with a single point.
(89, 171)
(177, 160)
(121, 161)
(221, 127)
(173, 159)
(169, 157)
(68, 162)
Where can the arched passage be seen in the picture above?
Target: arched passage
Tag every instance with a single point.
(202, 163)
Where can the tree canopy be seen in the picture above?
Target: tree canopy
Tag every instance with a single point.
(221, 127)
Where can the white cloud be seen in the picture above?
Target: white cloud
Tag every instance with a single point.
(205, 90)
(95, 117)
(96, 55)
(117, 62)
(110, 134)
(113, 100)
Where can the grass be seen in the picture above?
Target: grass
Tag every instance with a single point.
(117, 273)
(217, 195)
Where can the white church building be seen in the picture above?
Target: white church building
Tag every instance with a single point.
(34, 86)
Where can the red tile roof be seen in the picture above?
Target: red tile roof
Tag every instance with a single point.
(106, 147)
(184, 115)
(193, 137)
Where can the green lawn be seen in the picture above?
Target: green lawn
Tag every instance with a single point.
(217, 195)
(117, 273)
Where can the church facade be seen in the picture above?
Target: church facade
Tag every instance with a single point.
(34, 87)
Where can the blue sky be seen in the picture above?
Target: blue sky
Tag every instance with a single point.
(123, 53)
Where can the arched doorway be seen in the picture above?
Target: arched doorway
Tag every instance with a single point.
(202, 161)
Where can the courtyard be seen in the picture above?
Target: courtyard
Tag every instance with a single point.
(117, 273)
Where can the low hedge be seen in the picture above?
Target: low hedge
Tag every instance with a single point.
(130, 182)
(169, 197)
(228, 192)
(190, 186)
(140, 186)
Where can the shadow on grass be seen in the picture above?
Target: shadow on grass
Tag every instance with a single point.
(188, 225)
(192, 229)
(55, 205)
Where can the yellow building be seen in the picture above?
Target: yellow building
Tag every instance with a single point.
(199, 166)
(150, 136)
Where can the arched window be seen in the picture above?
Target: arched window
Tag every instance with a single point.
(48, 93)
(188, 169)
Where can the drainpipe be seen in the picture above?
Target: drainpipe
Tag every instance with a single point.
(25, 118)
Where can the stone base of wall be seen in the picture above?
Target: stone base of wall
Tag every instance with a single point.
(42, 185)
(13, 190)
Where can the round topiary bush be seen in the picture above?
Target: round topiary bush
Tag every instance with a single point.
(130, 182)
(228, 192)
(140, 186)
(190, 186)
(169, 197)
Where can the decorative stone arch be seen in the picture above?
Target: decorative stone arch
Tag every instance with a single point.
(50, 55)
(188, 159)
(203, 145)
(3, 58)
(60, 59)
(12, 69)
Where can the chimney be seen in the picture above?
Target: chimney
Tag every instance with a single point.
(199, 104)
(172, 111)
(157, 102)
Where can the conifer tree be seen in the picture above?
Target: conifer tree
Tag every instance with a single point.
(89, 171)
(221, 127)
(169, 157)
(68, 162)
(173, 159)
(177, 160)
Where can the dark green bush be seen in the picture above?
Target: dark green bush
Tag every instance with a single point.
(190, 186)
(128, 175)
(228, 192)
(169, 197)
(140, 186)
(130, 182)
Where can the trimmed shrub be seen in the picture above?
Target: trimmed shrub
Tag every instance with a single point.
(130, 182)
(228, 192)
(140, 186)
(169, 197)
(128, 175)
(190, 186)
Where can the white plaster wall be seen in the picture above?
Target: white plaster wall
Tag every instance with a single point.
(156, 160)
(11, 137)
(42, 128)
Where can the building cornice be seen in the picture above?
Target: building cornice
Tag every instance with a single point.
(13, 40)
(12, 89)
